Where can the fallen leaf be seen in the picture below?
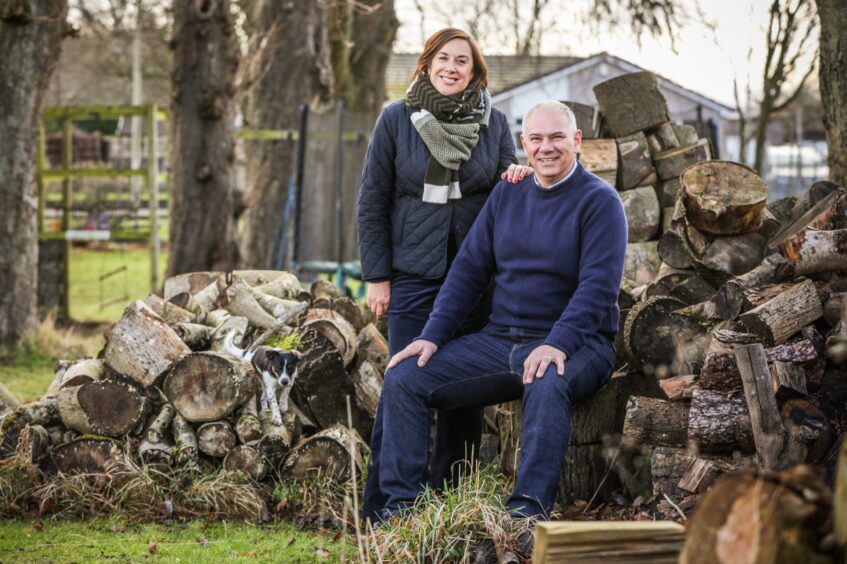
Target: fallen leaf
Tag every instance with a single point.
(117, 528)
(39, 527)
(321, 553)
(336, 537)
(292, 541)
(152, 548)
(203, 541)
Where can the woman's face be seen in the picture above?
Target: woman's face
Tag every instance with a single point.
(451, 69)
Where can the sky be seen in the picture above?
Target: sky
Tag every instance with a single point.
(705, 60)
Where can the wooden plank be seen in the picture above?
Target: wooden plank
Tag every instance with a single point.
(614, 541)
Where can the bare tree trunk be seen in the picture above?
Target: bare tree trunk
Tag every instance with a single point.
(288, 65)
(30, 43)
(833, 84)
(203, 229)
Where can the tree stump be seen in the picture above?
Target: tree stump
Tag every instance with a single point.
(723, 198)
(140, 345)
(208, 386)
(631, 103)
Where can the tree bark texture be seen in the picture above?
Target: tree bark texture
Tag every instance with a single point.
(287, 65)
(30, 43)
(203, 230)
(833, 84)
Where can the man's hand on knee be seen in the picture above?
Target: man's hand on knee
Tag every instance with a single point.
(421, 348)
(539, 359)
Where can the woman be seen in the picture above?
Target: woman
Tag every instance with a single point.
(431, 163)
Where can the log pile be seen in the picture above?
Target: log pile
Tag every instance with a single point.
(750, 369)
(166, 391)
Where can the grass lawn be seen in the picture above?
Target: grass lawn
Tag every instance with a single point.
(104, 280)
(198, 541)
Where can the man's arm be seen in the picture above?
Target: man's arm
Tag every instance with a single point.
(602, 252)
(467, 278)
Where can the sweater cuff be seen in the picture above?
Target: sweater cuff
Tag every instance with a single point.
(566, 341)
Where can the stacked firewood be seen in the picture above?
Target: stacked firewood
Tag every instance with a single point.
(743, 361)
(166, 391)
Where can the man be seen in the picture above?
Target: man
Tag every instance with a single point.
(555, 246)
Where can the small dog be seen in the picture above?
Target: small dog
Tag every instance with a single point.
(278, 369)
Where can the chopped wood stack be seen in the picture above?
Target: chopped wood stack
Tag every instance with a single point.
(743, 360)
(167, 391)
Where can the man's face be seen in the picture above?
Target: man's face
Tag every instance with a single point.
(548, 145)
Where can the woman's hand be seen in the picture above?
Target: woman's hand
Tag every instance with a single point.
(516, 173)
(379, 296)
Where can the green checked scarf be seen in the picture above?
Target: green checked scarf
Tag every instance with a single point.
(450, 129)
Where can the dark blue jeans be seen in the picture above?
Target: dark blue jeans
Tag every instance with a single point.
(458, 432)
(474, 371)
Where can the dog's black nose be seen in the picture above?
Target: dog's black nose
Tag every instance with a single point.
(285, 380)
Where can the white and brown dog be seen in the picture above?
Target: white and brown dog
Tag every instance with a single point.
(277, 367)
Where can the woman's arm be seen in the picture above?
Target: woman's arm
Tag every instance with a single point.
(376, 191)
(508, 167)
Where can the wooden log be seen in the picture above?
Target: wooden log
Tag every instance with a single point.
(217, 317)
(782, 316)
(585, 115)
(261, 277)
(285, 287)
(190, 283)
(770, 225)
(82, 372)
(718, 422)
(679, 473)
(90, 455)
(840, 509)
(651, 421)
(813, 252)
(246, 459)
(195, 335)
(276, 440)
(718, 259)
(335, 328)
(813, 194)
(753, 516)
(170, 313)
(834, 308)
(216, 438)
(662, 342)
(141, 345)
(620, 541)
(241, 302)
(731, 299)
(206, 299)
(634, 165)
(185, 440)
(723, 198)
(8, 401)
(600, 157)
(34, 446)
(276, 307)
(672, 163)
(776, 449)
(350, 311)
(248, 427)
(680, 387)
(631, 102)
(367, 381)
(807, 424)
(673, 250)
(583, 472)
(664, 136)
(641, 263)
(111, 407)
(643, 214)
(156, 447)
(667, 191)
(820, 216)
(372, 345)
(323, 290)
(240, 325)
(328, 452)
(686, 134)
(44, 412)
(208, 386)
(322, 384)
(159, 455)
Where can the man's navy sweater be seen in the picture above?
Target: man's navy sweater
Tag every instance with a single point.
(556, 255)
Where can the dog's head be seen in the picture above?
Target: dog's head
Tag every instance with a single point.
(283, 364)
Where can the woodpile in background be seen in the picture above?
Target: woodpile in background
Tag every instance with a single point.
(165, 391)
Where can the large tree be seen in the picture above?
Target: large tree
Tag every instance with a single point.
(203, 232)
(313, 53)
(833, 83)
(30, 43)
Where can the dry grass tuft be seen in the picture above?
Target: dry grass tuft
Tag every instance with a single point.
(64, 342)
(448, 526)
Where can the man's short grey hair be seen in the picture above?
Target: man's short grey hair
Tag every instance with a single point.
(552, 105)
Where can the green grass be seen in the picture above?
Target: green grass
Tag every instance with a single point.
(197, 541)
(94, 298)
